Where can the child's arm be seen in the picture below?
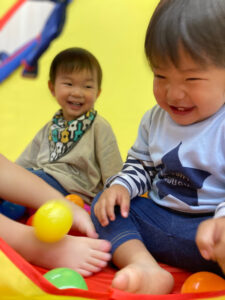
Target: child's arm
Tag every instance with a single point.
(107, 151)
(22, 187)
(28, 158)
(134, 179)
(210, 240)
(115, 195)
(82, 254)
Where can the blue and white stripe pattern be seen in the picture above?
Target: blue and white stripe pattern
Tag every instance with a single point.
(136, 176)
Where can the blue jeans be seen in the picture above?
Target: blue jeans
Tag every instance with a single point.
(49, 179)
(168, 235)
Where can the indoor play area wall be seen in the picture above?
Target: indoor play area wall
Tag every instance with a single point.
(114, 31)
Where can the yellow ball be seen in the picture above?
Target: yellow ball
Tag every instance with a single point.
(52, 221)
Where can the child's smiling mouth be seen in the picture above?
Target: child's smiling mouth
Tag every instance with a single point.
(75, 104)
(181, 110)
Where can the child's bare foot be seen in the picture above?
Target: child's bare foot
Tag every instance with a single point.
(82, 254)
(143, 279)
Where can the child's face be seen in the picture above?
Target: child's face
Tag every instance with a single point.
(191, 92)
(75, 92)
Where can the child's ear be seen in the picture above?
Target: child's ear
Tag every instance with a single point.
(51, 87)
(99, 92)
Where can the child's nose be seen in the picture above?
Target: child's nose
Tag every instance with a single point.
(175, 92)
(76, 91)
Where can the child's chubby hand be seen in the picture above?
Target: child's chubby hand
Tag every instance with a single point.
(210, 239)
(82, 221)
(115, 195)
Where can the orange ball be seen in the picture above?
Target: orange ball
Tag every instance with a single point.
(145, 195)
(75, 199)
(30, 220)
(203, 282)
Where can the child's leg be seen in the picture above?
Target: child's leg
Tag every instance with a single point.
(139, 273)
(168, 236)
(84, 255)
(49, 179)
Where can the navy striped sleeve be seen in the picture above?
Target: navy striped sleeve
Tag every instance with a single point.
(136, 176)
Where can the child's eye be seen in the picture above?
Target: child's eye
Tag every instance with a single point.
(193, 79)
(88, 86)
(67, 83)
(159, 76)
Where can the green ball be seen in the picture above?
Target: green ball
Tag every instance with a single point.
(64, 278)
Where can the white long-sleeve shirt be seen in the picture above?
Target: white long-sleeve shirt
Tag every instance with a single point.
(181, 167)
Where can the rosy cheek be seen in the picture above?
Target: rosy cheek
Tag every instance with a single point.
(158, 92)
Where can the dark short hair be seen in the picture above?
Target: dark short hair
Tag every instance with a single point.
(75, 59)
(197, 25)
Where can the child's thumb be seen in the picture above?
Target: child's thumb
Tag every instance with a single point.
(205, 240)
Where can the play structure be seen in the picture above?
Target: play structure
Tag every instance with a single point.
(18, 278)
(39, 22)
(51, 222)
(21, 280)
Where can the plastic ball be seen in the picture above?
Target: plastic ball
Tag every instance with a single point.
(64, 278)
(87, 208)
(203, 282)
(75, 199)
(12, 210)
(30, 220)
(52, 221)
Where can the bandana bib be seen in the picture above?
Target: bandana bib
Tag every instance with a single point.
(64, 135)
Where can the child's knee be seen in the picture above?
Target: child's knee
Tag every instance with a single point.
(93, 217)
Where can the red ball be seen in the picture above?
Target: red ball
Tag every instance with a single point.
(203, 282)
(30, 220)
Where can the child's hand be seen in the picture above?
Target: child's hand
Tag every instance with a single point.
(82, 221)
(210, 240)
(115, 195)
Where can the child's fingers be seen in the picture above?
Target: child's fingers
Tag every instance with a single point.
(125, 206)
(83, 223)
(91, 232)
(100, 212)
(104, 208)
(220, 255)
(110, 209)
(219, 247)
(205, 239)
